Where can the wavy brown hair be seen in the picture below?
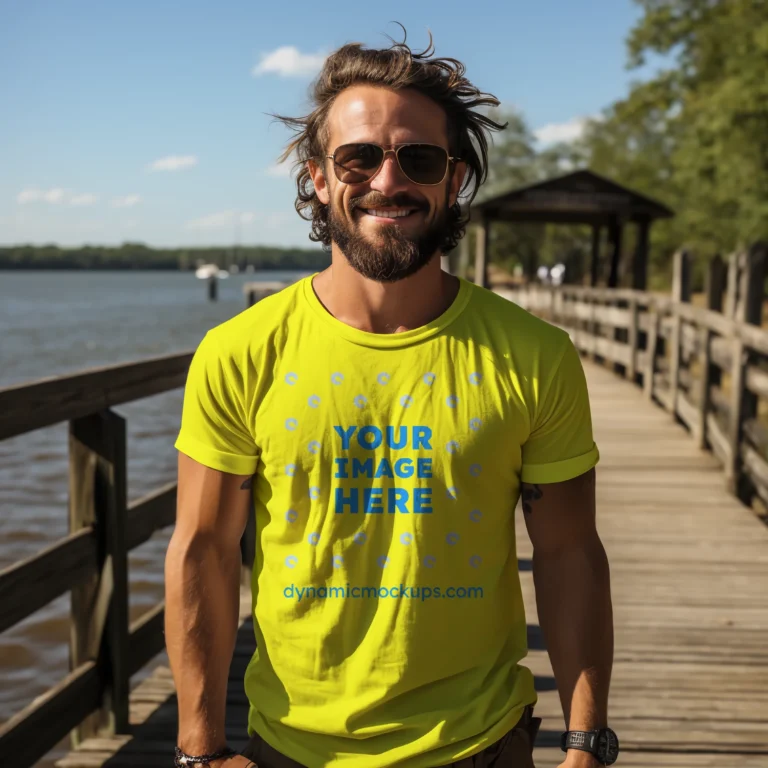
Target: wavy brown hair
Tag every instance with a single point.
(396, 67)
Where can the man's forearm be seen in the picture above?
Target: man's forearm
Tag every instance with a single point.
(201, 616)
(574, 604)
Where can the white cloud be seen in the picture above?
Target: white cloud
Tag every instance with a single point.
(126, 202)
(34, 195)
(83, 199)
(288, 61)
(55, 196)
(556, 132)
(173, 163)
(28, 196)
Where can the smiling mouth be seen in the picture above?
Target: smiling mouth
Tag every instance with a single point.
(389, 214)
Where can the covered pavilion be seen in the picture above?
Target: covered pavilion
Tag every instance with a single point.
(580, 197)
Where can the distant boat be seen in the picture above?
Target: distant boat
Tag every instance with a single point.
(205, 271)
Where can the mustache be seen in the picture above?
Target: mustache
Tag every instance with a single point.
(373, 201)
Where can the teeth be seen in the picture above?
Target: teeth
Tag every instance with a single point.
(388, 214)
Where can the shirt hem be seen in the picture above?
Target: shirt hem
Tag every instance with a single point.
(232, 463)
(560, 471)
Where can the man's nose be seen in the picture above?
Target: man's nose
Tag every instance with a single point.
(390, 179)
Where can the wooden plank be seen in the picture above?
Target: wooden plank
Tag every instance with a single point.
(99, 625)
(718, 441)
(756, 381)
(757, 434)
(114, 521)
(34, 731)
(84, 638)
(662, 392)
(688, 412)
(720, 402)
(649, 372)
(632, 341)
(30, 406)
(736, 408)
(703, 385)
(613, 316)
(150, 513)
(31, 584)
(756, 467)
(721, 353)
(690, 342)
(147, 638)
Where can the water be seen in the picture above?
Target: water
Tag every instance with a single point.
(53, 323)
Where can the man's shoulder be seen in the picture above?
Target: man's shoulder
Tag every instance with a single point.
(255, 326)
(515, 325)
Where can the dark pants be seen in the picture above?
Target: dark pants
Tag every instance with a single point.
(513, 750)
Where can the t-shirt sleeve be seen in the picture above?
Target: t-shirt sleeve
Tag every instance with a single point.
(560, 445)
(213, 422)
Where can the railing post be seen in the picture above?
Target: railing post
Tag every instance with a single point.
(652, 342)
(716, 278)
(681, 293)
(99, 625)
(632, 337)
(749, 309)
(732, 288)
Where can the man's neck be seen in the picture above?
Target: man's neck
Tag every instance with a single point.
(385, 307)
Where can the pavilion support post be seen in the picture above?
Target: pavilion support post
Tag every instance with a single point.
(595, 265)
(616, 231)
(640, 266)
(481, 253)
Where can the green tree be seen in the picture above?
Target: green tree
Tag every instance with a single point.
(696, 135)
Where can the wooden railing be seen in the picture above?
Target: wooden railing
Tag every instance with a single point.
(707, 366)
(92, 561)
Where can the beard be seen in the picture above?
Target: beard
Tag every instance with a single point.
(393, 256)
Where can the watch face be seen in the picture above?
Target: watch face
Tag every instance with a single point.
(608, 747)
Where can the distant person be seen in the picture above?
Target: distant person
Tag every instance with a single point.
(381, 420)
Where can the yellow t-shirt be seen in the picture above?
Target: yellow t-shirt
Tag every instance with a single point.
(386, 599)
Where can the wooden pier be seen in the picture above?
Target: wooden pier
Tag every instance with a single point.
(676, 393)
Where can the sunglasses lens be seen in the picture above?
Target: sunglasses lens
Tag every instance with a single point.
(356, 163)
(423, 163)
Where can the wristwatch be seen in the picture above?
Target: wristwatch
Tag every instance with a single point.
(602, 743)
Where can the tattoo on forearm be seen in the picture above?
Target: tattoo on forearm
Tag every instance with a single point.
(531, 493)
(247, 484)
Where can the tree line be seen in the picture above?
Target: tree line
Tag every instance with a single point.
(140, 256)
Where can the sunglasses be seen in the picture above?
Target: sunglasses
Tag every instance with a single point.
(423, 164)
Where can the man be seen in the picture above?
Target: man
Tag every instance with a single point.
(386, 416)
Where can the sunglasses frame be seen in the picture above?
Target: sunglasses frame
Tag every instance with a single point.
(395, 150)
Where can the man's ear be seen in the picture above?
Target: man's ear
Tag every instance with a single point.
(317, 174)
(456, 180)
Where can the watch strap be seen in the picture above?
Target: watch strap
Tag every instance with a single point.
(586, 741)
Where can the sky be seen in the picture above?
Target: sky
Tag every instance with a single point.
(148, 121)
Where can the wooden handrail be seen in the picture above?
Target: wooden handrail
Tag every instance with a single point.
(91, 562)
(27, 407)
(678, 352)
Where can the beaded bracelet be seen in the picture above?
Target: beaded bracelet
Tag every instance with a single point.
(182, 758)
